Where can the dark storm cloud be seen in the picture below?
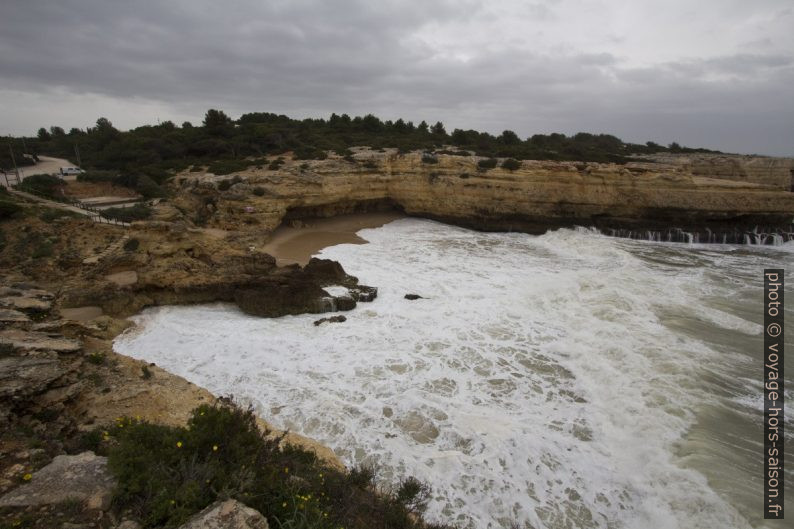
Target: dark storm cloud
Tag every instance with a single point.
(526, 67)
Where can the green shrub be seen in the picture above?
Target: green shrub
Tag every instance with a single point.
(165, 474)
(429, 158)
(131, 245)
(488, 163)
(224, 185)
(130, 214)
(370, 164)
(97, 358)
(50, 214)
(43, 185)
(511, 164)
(259, 191)
(98, 176)
(222, 167)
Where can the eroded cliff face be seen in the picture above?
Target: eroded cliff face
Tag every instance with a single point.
(711, 195)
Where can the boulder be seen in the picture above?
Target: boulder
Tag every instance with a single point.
(83, 477)
(229, 514)
(25, 376)
(412, 297)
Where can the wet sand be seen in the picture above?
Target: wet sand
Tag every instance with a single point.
(290, 245)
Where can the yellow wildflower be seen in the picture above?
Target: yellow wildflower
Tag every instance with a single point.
(284, 504)
(27, 477)
(179, 444)
(214, 448)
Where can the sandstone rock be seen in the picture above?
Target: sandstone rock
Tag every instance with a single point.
(25, 376)
(83, 477)
(38, 341)
(13, 316)
(24, 303)
(229, 514)
(332, 319)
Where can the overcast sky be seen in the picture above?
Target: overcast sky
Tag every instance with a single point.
(712, 73)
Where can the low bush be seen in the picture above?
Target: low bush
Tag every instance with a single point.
(429, 158)
(223, 167)
(259, 191)
(98, 176)
(131, 245)
(511, 164)
(165, 474)
(50, 214)
(43, 185)
(488, 163)
(130, 214)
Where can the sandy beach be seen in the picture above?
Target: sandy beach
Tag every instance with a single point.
(290, 245)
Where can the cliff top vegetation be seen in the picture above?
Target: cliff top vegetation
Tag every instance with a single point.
(158, 150)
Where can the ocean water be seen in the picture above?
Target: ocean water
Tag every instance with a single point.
(568, 380)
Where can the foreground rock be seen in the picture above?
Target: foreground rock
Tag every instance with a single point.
(83, 478)
(229, 514)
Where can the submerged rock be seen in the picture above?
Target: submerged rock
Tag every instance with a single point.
(229, 514)
(83, 477)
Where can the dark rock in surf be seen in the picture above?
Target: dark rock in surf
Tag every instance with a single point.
(332, 319)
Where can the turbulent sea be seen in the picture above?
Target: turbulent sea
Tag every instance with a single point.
(568, 380)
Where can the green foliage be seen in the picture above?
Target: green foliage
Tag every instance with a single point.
(129, 214)
(97, 358)
(165, 474)
(43, 185)
(51, 214)
(159, 151)
(259, 191)
(97, 175)
(223, 167)
(42, 250)
(131, 245)
(488, 163)
(429, 159)
(511, 164)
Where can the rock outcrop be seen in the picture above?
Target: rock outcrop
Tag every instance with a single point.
(229, 514)
(84, 478)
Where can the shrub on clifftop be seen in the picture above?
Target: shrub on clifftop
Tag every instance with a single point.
(168, 473)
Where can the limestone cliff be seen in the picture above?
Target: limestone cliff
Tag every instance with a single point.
(714, 196)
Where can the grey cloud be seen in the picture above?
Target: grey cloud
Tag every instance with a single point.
(313, 58)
